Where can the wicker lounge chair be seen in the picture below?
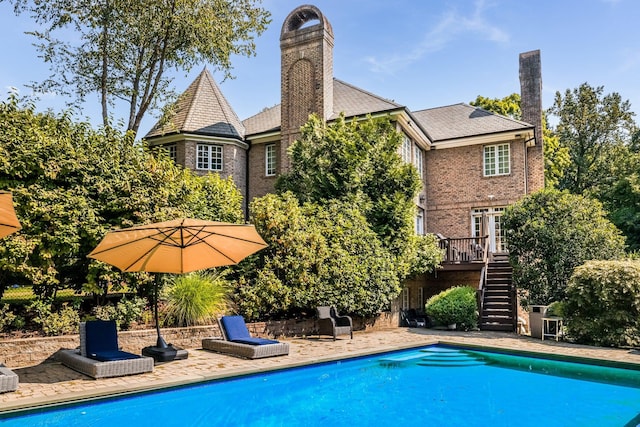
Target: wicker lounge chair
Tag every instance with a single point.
(8, 379)
(331, 323)
(99, 355)
(237, 341)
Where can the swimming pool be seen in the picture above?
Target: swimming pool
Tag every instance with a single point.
(430, 386)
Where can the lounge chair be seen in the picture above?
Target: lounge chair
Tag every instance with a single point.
(237, 341)
(331, 323)
(412, 319)
(99, 355)
(8, 379)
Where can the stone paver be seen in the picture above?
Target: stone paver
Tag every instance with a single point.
(49, 383)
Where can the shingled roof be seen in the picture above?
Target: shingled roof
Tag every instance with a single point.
(202, 109)
(347, 99)
(463, 120)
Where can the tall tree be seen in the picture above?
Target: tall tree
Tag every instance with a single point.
(356, 161)
(556, 157)
(591, 125)
(71, 184)
(551, 232)
(122, 49)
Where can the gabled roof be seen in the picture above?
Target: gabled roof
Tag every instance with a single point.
(347, 99)
(463, 121)
(202, 109)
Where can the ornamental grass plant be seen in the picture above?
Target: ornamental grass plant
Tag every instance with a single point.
(195, 298)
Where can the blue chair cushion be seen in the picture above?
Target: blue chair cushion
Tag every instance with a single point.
(101, 336)
(236, 331)
(255, 341)
(108, 356)
(235, 328)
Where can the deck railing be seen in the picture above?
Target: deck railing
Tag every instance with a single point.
(465, 250)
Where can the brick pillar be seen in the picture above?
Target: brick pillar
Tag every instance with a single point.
(306, 74)
(531, 106)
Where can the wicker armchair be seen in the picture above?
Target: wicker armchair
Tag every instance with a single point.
(107, 361)
(8, 379)
(331, 323)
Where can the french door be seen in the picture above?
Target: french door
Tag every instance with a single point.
(487, 221)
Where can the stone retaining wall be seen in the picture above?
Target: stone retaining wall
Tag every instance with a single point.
(19, 353)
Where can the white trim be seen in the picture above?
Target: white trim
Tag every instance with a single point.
(267, 148)
(494, 138)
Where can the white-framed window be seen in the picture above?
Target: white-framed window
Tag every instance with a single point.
(270, 160)
(420, 222)
(405, 150)
(172, 151)
(417, 161)
(209, 157)
(406, 301)
(497, 160)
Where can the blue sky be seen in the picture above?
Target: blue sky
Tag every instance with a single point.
(421, 54)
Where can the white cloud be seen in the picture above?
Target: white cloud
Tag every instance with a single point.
(451, 26)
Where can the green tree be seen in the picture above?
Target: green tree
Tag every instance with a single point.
(72, 184)
(358, 162)
(591, 125)
(316, 255)
(551, 232)
(556, 156)
(121, 50)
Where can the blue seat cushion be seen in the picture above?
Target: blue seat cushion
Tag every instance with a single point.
(235, 328)
(236, 331)
(101, 336)
(255, 341)
(108, 356)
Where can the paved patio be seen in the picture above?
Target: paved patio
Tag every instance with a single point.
(50, 383)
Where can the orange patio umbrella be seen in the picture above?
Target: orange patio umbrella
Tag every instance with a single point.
(8, 220)
(177, 246)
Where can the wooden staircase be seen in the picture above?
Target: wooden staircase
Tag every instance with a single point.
(498, 305)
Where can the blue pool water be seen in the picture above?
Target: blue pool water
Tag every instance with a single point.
(432, 386)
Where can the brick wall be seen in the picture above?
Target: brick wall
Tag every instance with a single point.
(531, 106)
(234, 161)
(306, 76)
(19, 353)
(455, 185)
(259, 183)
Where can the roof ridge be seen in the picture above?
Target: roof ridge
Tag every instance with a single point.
(196, 93)
(226, 108)
(369, 93)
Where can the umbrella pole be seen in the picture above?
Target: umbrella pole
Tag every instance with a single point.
(161, 342)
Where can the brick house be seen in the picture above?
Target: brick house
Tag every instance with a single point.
(473, 163)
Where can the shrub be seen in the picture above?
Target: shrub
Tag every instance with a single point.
(125, 312)
(549, 233)
(61, 322)
(603, 303)
(7, 317)
(196, 298)
(455, 305)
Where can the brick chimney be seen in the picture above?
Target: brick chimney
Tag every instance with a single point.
(531, 107)
(306, 73)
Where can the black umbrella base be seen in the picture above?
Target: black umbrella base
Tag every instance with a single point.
(165, 354)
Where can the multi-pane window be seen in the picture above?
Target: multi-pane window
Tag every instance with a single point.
(270, 160)
(209, 157)
(496, 160)
(417, 160)
(420, 222)
(172, 151)
(406, 150)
